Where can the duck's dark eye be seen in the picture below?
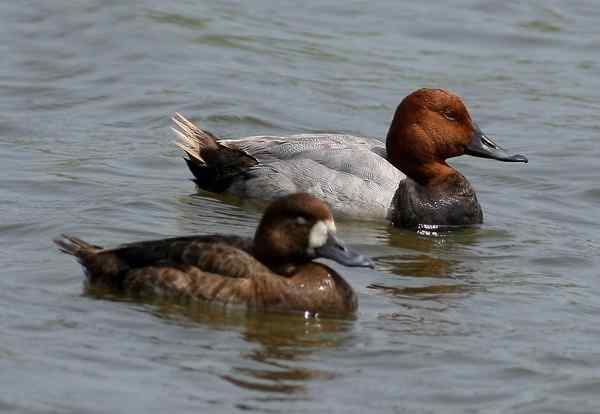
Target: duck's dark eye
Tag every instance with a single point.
(449, 115)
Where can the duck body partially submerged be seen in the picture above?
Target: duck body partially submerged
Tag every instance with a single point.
(318, 164)
(407, 180)
(274, 270)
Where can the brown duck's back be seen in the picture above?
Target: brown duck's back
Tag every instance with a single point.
(215, 269)
(314, 287)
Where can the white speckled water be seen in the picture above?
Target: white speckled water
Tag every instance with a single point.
(497, 319)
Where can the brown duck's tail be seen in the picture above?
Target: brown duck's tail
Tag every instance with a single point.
(76, 247)
(101, 265)
(215, 165)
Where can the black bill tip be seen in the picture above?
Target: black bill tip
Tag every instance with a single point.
(484, 147)
(519, 158)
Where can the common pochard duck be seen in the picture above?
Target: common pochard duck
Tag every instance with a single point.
(273, 271)
(407, 182)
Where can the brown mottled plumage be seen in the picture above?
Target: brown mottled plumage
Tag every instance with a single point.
(272, 271)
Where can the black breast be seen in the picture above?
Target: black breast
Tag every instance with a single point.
(451, 204)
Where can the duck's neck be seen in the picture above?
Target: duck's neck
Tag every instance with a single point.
(436, 199)
(431, 174)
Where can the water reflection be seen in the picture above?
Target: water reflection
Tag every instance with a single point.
(435, 268)
(420, 265)
(427, 240)
(286, 340)
(425, 292)
(442, 252)
(423, 309)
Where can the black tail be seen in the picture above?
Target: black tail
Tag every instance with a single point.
(75, 246)
(214, 165)
(102, 266)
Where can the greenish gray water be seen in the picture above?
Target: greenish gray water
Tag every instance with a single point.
(500, 318)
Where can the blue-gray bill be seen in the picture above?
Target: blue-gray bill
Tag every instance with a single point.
(484, 147)
(335, 249)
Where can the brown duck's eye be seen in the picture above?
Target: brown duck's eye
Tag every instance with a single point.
(450, 115)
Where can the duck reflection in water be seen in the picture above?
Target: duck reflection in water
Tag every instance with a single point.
(424, 260)
(434, 256)
(281, 363)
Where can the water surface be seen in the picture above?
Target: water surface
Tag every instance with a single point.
(500, 318)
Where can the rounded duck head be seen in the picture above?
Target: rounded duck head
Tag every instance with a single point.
(298, 228)
(431, 125)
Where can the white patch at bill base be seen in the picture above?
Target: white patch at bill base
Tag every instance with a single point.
(318, 235)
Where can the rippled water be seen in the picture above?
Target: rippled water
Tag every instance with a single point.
(501, 318)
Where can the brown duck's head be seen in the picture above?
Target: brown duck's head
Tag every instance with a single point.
(298, 228)
(431, 125)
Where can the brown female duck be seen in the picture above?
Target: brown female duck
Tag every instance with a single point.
(275, 270)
